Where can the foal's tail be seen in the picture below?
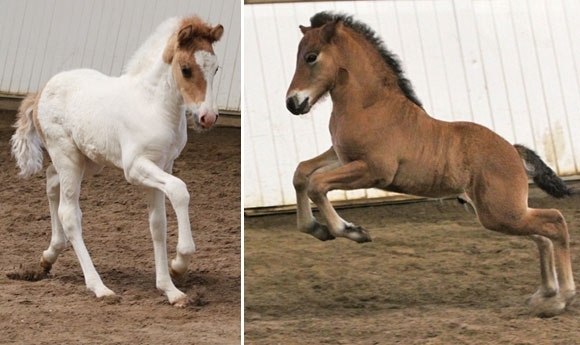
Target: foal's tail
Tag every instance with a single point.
(543, 175)
(26, 143)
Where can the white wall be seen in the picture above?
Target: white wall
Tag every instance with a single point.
(41, 38)
(511, 65)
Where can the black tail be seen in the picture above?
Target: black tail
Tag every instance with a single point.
(542, 175)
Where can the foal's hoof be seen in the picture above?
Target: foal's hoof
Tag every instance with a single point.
(569, 296)
(180, 302)
(357, 234)
(319, 231)
(46, 266)
(550, 306)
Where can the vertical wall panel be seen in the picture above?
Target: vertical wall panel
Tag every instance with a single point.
(41, 38)
(510, 65)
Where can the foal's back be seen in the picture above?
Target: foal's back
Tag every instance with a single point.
(439, 158)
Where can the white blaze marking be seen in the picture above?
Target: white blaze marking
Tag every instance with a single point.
(207, 63)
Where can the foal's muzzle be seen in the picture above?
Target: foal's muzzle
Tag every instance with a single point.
(201, 121)
(295, 106)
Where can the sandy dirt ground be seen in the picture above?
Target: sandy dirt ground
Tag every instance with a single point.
(432, 275)
(59, 309)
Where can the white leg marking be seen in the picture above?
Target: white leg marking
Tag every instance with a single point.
(158, 228)
(146, 173)
(70, 171)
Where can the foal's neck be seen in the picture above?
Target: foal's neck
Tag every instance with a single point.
(363, 78)
(159, 84)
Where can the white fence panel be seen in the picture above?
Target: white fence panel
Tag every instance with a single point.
(511, 65)
(41, 38)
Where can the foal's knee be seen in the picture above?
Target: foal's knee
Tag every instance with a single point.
(177, 192)
(316, 188)
(300, 179)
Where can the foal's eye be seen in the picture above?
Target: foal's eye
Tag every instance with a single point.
(311, 57)
(186, 72)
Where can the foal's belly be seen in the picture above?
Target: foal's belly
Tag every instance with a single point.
(427, 181)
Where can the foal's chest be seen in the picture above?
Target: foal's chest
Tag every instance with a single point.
(352, 140)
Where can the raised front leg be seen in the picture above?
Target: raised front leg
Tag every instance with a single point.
(146, 173)
(305, 219)
(326, 174)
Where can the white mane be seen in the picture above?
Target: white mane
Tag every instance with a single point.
(151, 51)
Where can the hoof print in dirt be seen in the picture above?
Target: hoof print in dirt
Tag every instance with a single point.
(28, 274)
(198, 300)
(110, 299)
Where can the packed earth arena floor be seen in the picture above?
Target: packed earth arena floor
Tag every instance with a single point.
(432, 275)
(58, 309)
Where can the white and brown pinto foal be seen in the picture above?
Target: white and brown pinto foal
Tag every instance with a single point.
(136, 122)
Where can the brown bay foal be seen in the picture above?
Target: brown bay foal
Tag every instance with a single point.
(383, 138)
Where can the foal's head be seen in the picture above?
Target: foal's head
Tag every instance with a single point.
(316, 68)
(193, 65)
(333, 43)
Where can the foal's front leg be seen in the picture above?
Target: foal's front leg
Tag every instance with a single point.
(352, 175)
(305, 219)
(158, 228)
(147, 173)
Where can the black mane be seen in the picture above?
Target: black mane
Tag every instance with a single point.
(390, 59)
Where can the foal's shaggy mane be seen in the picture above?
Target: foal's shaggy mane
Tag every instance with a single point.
(390, 59)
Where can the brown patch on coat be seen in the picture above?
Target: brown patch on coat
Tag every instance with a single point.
(193, 35)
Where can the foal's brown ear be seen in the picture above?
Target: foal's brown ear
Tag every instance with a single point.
(217, 32)
(304, 29)
(328, 31)
(185, 36)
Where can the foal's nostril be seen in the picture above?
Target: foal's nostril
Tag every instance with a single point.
(202, 119)
(290, 104)
(295, 107)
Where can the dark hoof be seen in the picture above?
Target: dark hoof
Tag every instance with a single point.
(319, 231)
(357, 234)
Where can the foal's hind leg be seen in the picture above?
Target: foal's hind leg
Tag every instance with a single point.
(58, 239)
(551, 224)
(548, 229)
(70, 167)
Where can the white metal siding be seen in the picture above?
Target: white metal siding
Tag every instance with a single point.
(41, 38)
(511, 65)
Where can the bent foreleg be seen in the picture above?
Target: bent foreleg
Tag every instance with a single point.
(305, 219)
(353, 175)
